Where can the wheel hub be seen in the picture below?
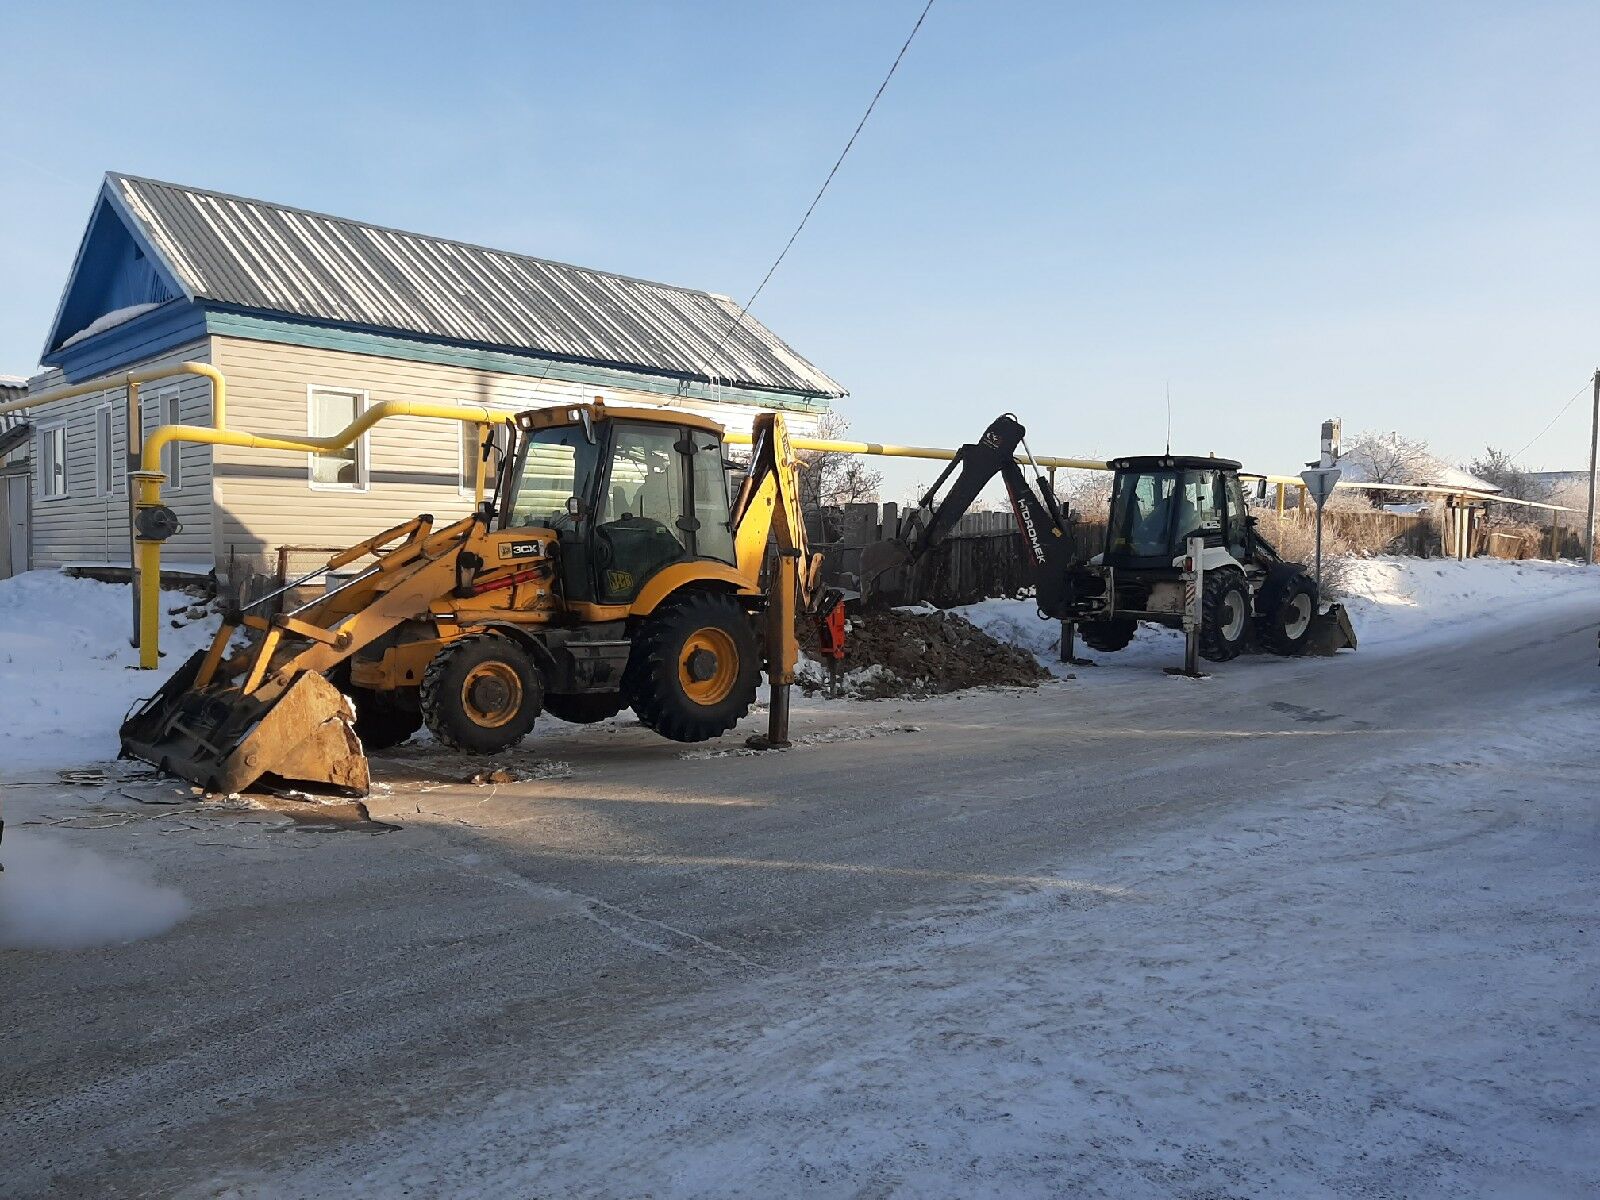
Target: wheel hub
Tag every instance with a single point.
(491, 694)
(701, 665)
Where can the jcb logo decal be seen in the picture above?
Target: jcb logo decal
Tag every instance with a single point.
(519, 549)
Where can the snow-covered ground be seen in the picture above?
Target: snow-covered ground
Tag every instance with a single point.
(1382, 986)
(67, 673)
(1394, 603)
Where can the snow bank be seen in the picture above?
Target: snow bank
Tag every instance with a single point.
(56, 896)
(1394, 602)
(67, 671)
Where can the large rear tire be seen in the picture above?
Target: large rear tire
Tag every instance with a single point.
(694, 666)
(584, 708)
(1108, 636)
(481, 694)
(1224, 615)
(1286, 608)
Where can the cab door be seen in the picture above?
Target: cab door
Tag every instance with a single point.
(664, 499)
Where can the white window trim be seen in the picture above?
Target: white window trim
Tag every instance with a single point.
(39, 433)
(105, 481)
(363, 458)
(464, 485)
(467, 485)
(172, 398)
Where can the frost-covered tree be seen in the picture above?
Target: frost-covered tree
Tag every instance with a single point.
(1390, 457)
(1496, 467)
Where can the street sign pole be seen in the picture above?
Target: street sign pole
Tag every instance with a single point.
(1319, 483)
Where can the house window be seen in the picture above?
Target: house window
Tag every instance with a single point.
(171, 460)
(53, 462)
(331, 411)
(472, 453)
(104, 462)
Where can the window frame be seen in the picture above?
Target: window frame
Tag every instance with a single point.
(363, 400)
(169, 411)
(105, 459)
(467, 485)
(41, 431)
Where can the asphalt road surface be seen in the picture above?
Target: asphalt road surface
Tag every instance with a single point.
(333, 983)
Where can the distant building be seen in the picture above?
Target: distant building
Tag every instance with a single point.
(15, 434)
(312, 318)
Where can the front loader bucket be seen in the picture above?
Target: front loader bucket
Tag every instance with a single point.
(1331, 631)
(225, 741)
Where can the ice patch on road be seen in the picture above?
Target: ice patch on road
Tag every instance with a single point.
(56, 896)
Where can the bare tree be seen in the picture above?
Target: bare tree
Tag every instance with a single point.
(830, 479)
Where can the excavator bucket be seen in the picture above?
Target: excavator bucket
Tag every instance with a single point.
(225, 741)
(1331, 631)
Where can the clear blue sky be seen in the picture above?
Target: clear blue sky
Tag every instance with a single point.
(1383, 212)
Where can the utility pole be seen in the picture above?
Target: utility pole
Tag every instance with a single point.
(1594, 449)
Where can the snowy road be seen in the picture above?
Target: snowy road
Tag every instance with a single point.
(1304, 928)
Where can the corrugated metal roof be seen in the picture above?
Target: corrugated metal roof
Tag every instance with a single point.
(265, 257)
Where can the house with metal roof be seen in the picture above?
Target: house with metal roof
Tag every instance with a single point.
(311, 318)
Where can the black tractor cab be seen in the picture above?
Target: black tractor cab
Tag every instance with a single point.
(1160, 501)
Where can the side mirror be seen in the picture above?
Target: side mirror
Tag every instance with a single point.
(574, 506)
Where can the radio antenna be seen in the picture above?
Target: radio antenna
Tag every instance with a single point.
(1169, 418)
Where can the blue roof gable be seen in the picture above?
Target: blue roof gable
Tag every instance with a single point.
(115, 269)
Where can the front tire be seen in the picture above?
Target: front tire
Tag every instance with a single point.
(1286, 608)
(584, 708)
(1224, 615)
(1108, 636)
(481, 694)
(694, 666)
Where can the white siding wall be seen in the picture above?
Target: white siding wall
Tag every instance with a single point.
(89, 526)
(265, 500)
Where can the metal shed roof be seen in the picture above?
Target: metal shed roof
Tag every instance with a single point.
(263, 257)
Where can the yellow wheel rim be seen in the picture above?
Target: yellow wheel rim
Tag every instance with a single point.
(708, 665)
(491, 694)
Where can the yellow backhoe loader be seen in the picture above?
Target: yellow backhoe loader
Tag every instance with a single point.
(608, 567)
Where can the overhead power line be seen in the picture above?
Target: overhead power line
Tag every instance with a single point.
(832, 171)
(1581, 390)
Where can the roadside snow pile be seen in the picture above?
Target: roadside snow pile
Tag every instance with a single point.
(905, 652)
(55, 896)
(67, 671)
(1395, 601)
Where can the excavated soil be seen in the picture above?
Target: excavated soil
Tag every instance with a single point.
(890, 654)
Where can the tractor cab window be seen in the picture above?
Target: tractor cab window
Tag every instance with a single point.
(1199, 508)
(1238, 519)
(1141, 514)
(640, 518)
(713, 534)
(558, 467)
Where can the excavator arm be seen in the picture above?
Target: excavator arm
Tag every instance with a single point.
(767, 510)
(1040, 517)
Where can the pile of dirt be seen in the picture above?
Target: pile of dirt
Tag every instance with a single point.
(889, 654)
